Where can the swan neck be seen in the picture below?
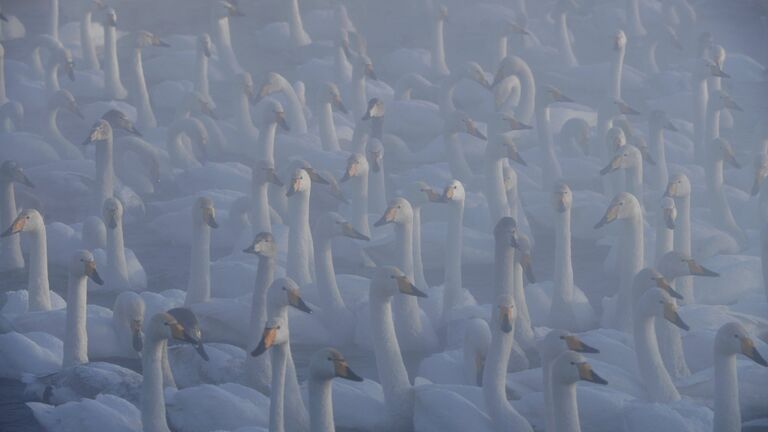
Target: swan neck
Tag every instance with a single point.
(389, 361)
(326, 275)
(105, 172)
(320, 405)
(504, 270)
(563, 263)
(199, 286)
(152, 399)
(76, 340)
(260, 218)
(682, 236)
(565, 41)
(566, 407)
(454, 244)
(497, 196)
(439, 66)
(299, 239)
(652, 371)
(617, 66)
(89, 50)
(277, 398)
(267, 142)
(118, 266)
(146, 115)
(404, 241)
(494, 374)
(328, 135)
(727, 410)
(418, 263)
(38, 289)
(359, 189)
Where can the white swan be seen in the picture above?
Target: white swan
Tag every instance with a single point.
(146, 116)
(658, 122)
(499, 147)
(328, 101)
(567, 370)
(439, 67)
(203, 219)
(720, 151)
(119, 276)
(221, 11)
(10, 247)
(86, 41)
(325, 365)
(298, 266)
(113, 86)
(277, 83)
(101, 135)
(357, 176)
(62, 99)
(38, 290)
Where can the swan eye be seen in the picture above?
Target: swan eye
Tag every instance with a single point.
(736, 336)
(661, 301)
(562, 337)
(285, 289)
(81, 260)
(572, 363)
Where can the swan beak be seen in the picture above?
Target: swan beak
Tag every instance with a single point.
(90, 271)
(671, 190)
(557, 96)
(69, 68)
(16, 227)
(505, 318)
(207, 51)
(749, 350)
(479, 368)
(339, 105)
(351, 171)
(281, 121)
(472, 129)
(432, 196)
(370, 73)
(664, 285)
(315, 177)
(294, 187)
(668, 125)
(111, 220)
(675, 41)
(374, 160)
(731, 104)
(75, 109)
(514, 155)
(575, 344)
(137, 340)
(98, 132)
(697, 269)
(760, 174)
(613, 165)
(646, 155)
(527, 264)
(669, 218)
(625, 109)
(731, 159)
(295, 300)
(716, 71)
(257, 247)
(349, 231)
(610, 215)
(209, 217)
(338, 194)
(112, 20)
(587, 374)
(499, 76)
(369, 110)
(3, 17)
(388, 217)
(560, 204)
(671, 315)
(22, 178)
(515, 125)
(161, 43)
(342, 370)
(273, 178)
(266, 342)
(406, 287)
(447, 195)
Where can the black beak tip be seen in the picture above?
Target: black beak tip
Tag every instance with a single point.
(96, 278)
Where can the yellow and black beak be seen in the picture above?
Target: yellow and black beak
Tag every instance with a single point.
(406, 287)
(20, 177)
(560, 204)
(558, 96)
(505, 319)
(730, 157)
(716, 71)
(280, 119)
(273, 178)
(209, 217)
(698, 270)
(527, 264)
(749, 350)
(388, 217)
(137, 339)
(575, 344)
(587, 374)
(16, 227)
(669, 218)
(432, 196)
(671, 190)
(294, 187)
(613, 165)
(351, 171)
(514, 155)
(90, 271)
(516, 125)
(671, 315)
(339, 105)
(180, 333)
(315, 177)
(626, 109)
(267, 340)
(295, 300)
(472, 129)
(665, 286)
(349, 231)
(610, 215)
(342, 370)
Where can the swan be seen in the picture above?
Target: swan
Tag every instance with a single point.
(721, 151)
(113, 85)
(30, 221)
(221, 11)
(455, 123)
(119, 276)
(630, 159)
(324, 365)
(665, 227)
(702, 70)
(272, 116)
(62, 99)
(146, 116)
(398, 391)
(356, 174)
(414, 331)
(300, 244)
(625, 208)
(513, 65)
(101, 134)
(262, 174)
(277, 83)
(203, 219)
(10, 252)
(567, 370)
(658, 122)
(377, 177)
(86, 41)
(499, 148)
(328, 101)
(551, 165)
(282, 293)
(439, 67)
(82, 265)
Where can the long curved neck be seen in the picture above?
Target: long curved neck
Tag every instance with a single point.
(64, 148)
(634, 181)
(257, 368)
(418, 263)
(52, 77)
(111, 68)
(299, 239)
(76, 340)
(655, 376)
(727, 410)
(277, 397)
(713, 125)
(700, 101)
(632, 250)
(498, 205)
(328, 135)
(439, 67)
(266, 144)
(320, 405)
(224, 44)
(617, 66)
(658, 147)
(495, 372)
(201, 82)
(199, 285)
(359, 217)
(10, 247)
(299, 37)
(547, 143)
(633, 10)
(525, 109)
(664, 237)
(566, 407)
(53, 19)
(564, 40)
(503, 270)
(105, 172)
(453, 283)
(146, 117)
(89, 50)
(260, 219)
(117, 272)
(326, 275)
(563, 265)
(296, 110)
(152, 399)
(682, 239)
(37, 287)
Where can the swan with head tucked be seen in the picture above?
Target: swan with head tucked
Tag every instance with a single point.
(10, 247)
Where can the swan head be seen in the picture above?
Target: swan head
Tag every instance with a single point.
(571, 367)
(100, 131)
(399, 211)
(557, 342)
(13, 112)
(524, 256)
(357, 165)
(717, 54)
(657, 303)
(675, 264)
(623, 206)
(506, 120)
(334, 225)
(504, 146)
(263, 245)
(28, 220)
(615, 138)
(761, 171)
(619, 40)
(458, 121)
(363, 68)
(505, 232)
(10, 171)
(733, 338)
(374, 109)
(375, 154)
(118, 120)
(82, 264)
(284, 292)
(328, 363)
(63, 99)
(441, 12)
(225, 9)
(331, 95)
(577, 130)
(110, 18)
(195, 102)
(94, 233)
(659, 120)
(551, 94)
(507, 313)
(274, 82)
(181, 324)
(112, 212)
(624, 108)
(272, 112)
(389, 281)
(63, 57)
(648, 278)
(275, 333)
(147, 39)
(263, 172)
(668, 212)
(721, 100)
(705, 68)
(129, 309)
(678, 187)
(626, 157)
(313, 174)
(562, 197)
(474, 72)
(300, 183)
(204, 44)
(723, 149)
(204, 213)
(477, 339)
